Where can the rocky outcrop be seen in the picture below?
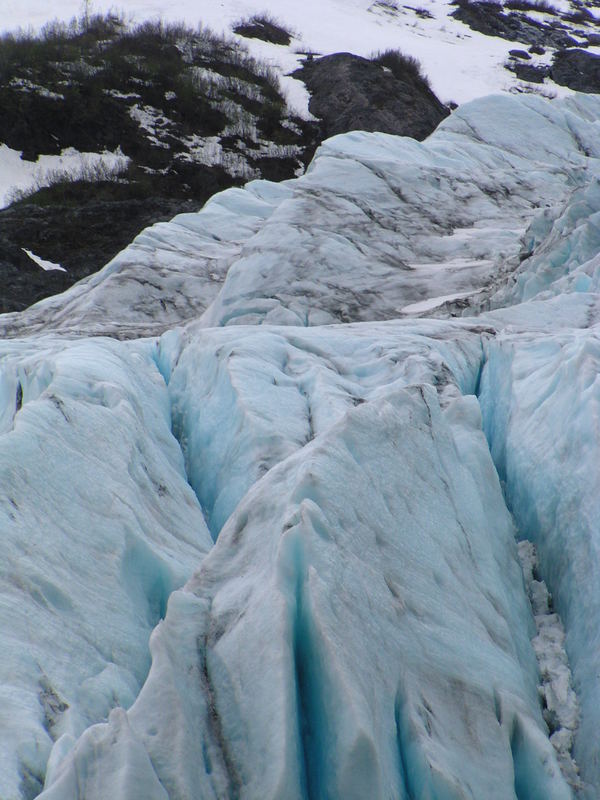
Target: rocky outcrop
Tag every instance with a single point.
(577, 69)
(81, 238)
(490, 19)
(352, 93)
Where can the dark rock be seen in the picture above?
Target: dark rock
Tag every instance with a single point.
(352, 93)
(420, 12)
(263, 27)
(519, 54)
(577, 69)
(580, 15)
(537, 50)
(530, 73)
(80, 238)
(489, 18)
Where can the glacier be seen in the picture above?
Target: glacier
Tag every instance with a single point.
(265, 474)
(377, 224)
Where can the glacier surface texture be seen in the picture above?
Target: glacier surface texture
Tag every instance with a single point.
(300, 492)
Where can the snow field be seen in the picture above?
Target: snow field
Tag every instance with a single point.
(461, 64)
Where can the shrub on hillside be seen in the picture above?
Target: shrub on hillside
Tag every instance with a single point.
(265, 27)
(405, 68)
(531, 5)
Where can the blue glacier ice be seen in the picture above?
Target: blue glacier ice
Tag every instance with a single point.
(99, 525)
(360, 628)
(541, 406)
(300, 492)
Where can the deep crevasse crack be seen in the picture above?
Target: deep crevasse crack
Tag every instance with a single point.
(561, 707)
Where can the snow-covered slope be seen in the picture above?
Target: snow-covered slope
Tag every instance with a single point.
(315, 518)
(461, 63)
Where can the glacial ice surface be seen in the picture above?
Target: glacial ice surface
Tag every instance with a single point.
(272, 552)
(376, 224)
(360, 628)
(540, 399)
(99, 525)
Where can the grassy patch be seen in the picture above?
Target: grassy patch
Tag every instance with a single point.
(157, 90)
(403, 67)
(265, 27)
(531, 5)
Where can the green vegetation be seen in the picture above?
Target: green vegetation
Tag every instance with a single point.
(265, 27)
(158, 91)
(403, 67)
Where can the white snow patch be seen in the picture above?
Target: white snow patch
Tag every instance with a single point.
(208, 150)
(25, 85)
(122, 95)
(152, 121)
(434, 302)
(47, 266)
(17, 174)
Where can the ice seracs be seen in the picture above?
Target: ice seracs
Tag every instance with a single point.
(561, 709)
(360, 627)
(539, 397)
(98, 524)
(378, 223)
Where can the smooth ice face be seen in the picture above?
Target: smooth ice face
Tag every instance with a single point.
(540, 398)
(360, 628)
(98, 527)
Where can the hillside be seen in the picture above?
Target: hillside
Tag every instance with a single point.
(186, 113)
(128, 125)
(132, 122)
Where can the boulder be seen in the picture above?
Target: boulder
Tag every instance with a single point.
(577, 69)
(353, 93)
